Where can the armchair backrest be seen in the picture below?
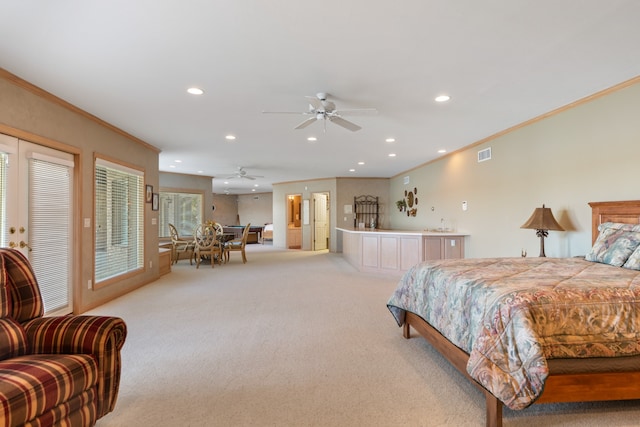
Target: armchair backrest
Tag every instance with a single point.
(23, 294)
(5, 307)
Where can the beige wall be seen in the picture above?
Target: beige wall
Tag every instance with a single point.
(583, 154)
(348, 188)
(226, 212)
(256, 209)
(33, 115)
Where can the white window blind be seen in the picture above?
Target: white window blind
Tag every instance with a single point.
(119, 220)
(50, 199)
(183, 210)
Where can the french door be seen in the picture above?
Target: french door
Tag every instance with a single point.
(36, 214)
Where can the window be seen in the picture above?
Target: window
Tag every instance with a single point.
(183, 210)
(119, 215)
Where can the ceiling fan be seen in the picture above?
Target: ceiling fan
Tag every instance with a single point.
(322, 109)
(240, 173)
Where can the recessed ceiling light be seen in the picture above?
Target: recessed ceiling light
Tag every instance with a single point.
(200, 171)
(226, 182)
(352, 170)
(255, 185)
(312, 139)
(442, 151)
(230, 137)
(390, 140)
(172, 166)
(253, 189)
(195, 91)
(392, 154)
(442, 98)
(361, 163)
(178, 161)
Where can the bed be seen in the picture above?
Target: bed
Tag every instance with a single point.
(537, 330)
(267, 233)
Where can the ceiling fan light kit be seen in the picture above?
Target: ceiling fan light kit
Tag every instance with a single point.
(322, 109)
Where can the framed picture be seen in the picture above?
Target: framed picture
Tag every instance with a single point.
(155, 202)
(148, 195)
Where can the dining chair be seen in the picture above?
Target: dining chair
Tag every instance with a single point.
(180, 245)
(217, 228)
(238, 245)
(207, 244)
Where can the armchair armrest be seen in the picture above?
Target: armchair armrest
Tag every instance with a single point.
(100, 336)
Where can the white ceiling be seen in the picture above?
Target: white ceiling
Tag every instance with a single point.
(501, 61)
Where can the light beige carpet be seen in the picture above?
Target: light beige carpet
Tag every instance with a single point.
(295, 338)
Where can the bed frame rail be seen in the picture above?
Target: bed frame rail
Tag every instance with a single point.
(457, 357)
(590, 387)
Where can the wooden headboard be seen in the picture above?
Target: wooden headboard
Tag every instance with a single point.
(627, 212)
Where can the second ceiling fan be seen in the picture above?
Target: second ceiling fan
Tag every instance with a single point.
(320, 108)
(240, 173)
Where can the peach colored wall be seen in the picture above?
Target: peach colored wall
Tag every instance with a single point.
(38, 117)
(582, 154)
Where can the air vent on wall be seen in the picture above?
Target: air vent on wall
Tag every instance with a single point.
(484, 155)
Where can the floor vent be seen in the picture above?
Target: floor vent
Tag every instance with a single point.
(484, 155)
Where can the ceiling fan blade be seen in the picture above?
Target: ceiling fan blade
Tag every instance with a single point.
(306, 123)
(344, 123)
(314, 102)
(328, 106)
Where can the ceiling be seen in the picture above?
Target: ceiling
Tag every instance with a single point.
(502, 62)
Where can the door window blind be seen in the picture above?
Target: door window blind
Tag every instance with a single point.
(50, 200)
(119, 220)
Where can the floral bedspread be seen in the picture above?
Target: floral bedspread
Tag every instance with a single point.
(512, 314)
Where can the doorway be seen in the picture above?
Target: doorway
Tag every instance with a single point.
(36, 215)
(294, 226)
(320, 221)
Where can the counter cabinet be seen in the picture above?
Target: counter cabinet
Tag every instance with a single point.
(394, 252)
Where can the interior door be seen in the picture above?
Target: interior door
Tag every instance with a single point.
(36, 214)
(321, 221)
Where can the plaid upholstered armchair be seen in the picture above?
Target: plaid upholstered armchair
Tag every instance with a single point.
(53, 370)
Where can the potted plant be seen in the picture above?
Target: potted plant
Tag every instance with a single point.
(401, 205)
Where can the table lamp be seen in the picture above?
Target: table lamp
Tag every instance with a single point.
(542, 221)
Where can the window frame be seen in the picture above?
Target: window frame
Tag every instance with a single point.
(162, 214)
(135, 213)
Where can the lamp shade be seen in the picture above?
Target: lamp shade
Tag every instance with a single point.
(542, 219)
